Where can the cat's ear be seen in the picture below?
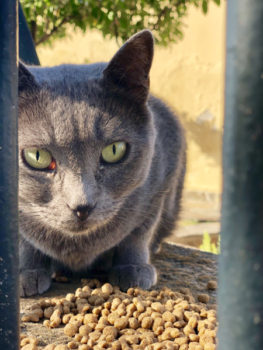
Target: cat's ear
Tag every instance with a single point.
(26, 81)
(129, 68)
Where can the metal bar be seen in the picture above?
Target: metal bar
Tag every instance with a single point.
(240, 294)
(9, 298)
(27, 51)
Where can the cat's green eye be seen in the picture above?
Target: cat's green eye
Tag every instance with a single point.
(38, 158)
(114, 152)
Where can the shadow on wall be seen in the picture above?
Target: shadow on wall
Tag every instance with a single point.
(205, 135)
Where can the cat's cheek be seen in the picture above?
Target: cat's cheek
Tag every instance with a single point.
(46, 197)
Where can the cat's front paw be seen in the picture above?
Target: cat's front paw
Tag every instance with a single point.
(33, 282)
(127, 276)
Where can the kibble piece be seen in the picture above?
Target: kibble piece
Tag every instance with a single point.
(157, 346)
(157, 306)
(139, 306)
(116, 345)
(203, 298)
(73, 345)
(71, 329)
(84, 339)
(30, 317)
(130, 309)
(37, 310)
(210, 333)
(78, 337)
(103, 322)
(133, 323)
(61, 347)
(28, 340)
(179, 314)
(90, 318)
(115, 303)
(84, 294)
(209, 346)
(174, 332)
(184, 347)
(158, 321)
(113, 317)
(205, 339)
(180, 324)
(70, 297)
(85, 330)
(121, 310)
(84, 347)
(193, 322)
(50, 347)
(55, 319)
(181, 340)
(102, 344)
(194, 337)
(46, 323)
(29, 347)
(184, 304)
(75, 320)
(82, 308)
(132, 339)
(147, 322)
(110, 332)
(66, 318)
(211, 285)
(169, 345)
(107, 288)
(188, 330)
(195, 346)
(95, 335)
(48, 311)
(168, 324)
(96, 300)
(121, 322)
(168, 316)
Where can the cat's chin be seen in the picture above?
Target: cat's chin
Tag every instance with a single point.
(85, 228)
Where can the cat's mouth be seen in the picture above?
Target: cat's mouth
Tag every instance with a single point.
(87, 226)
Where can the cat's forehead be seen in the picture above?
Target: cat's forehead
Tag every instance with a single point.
(63, 121)
(72, 106)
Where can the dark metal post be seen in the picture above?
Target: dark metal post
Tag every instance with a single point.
(27, 51)
(9, 298)
(241, 261)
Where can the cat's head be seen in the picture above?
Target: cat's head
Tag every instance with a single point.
(86, 138)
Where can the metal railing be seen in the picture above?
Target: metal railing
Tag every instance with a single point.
(9, 298)
(240, 296)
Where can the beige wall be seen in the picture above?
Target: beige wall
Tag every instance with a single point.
(187, 75)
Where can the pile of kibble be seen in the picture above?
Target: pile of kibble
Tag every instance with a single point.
(102, 317)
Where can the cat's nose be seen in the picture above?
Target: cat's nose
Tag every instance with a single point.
(83, 211)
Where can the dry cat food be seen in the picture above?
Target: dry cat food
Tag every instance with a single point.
(102, 317)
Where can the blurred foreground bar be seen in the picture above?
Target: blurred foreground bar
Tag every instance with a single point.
(27, 51)
(241, 261)
(9, 300)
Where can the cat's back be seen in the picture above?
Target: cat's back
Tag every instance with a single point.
(170, 145)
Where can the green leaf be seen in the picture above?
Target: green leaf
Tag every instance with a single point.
(205, 6)
(114, 18)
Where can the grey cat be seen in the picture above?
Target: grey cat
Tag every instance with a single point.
(101, 165)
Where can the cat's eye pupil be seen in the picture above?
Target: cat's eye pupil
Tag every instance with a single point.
(114, 152)
(37, 155)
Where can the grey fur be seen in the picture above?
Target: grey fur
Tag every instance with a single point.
(74, 111)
